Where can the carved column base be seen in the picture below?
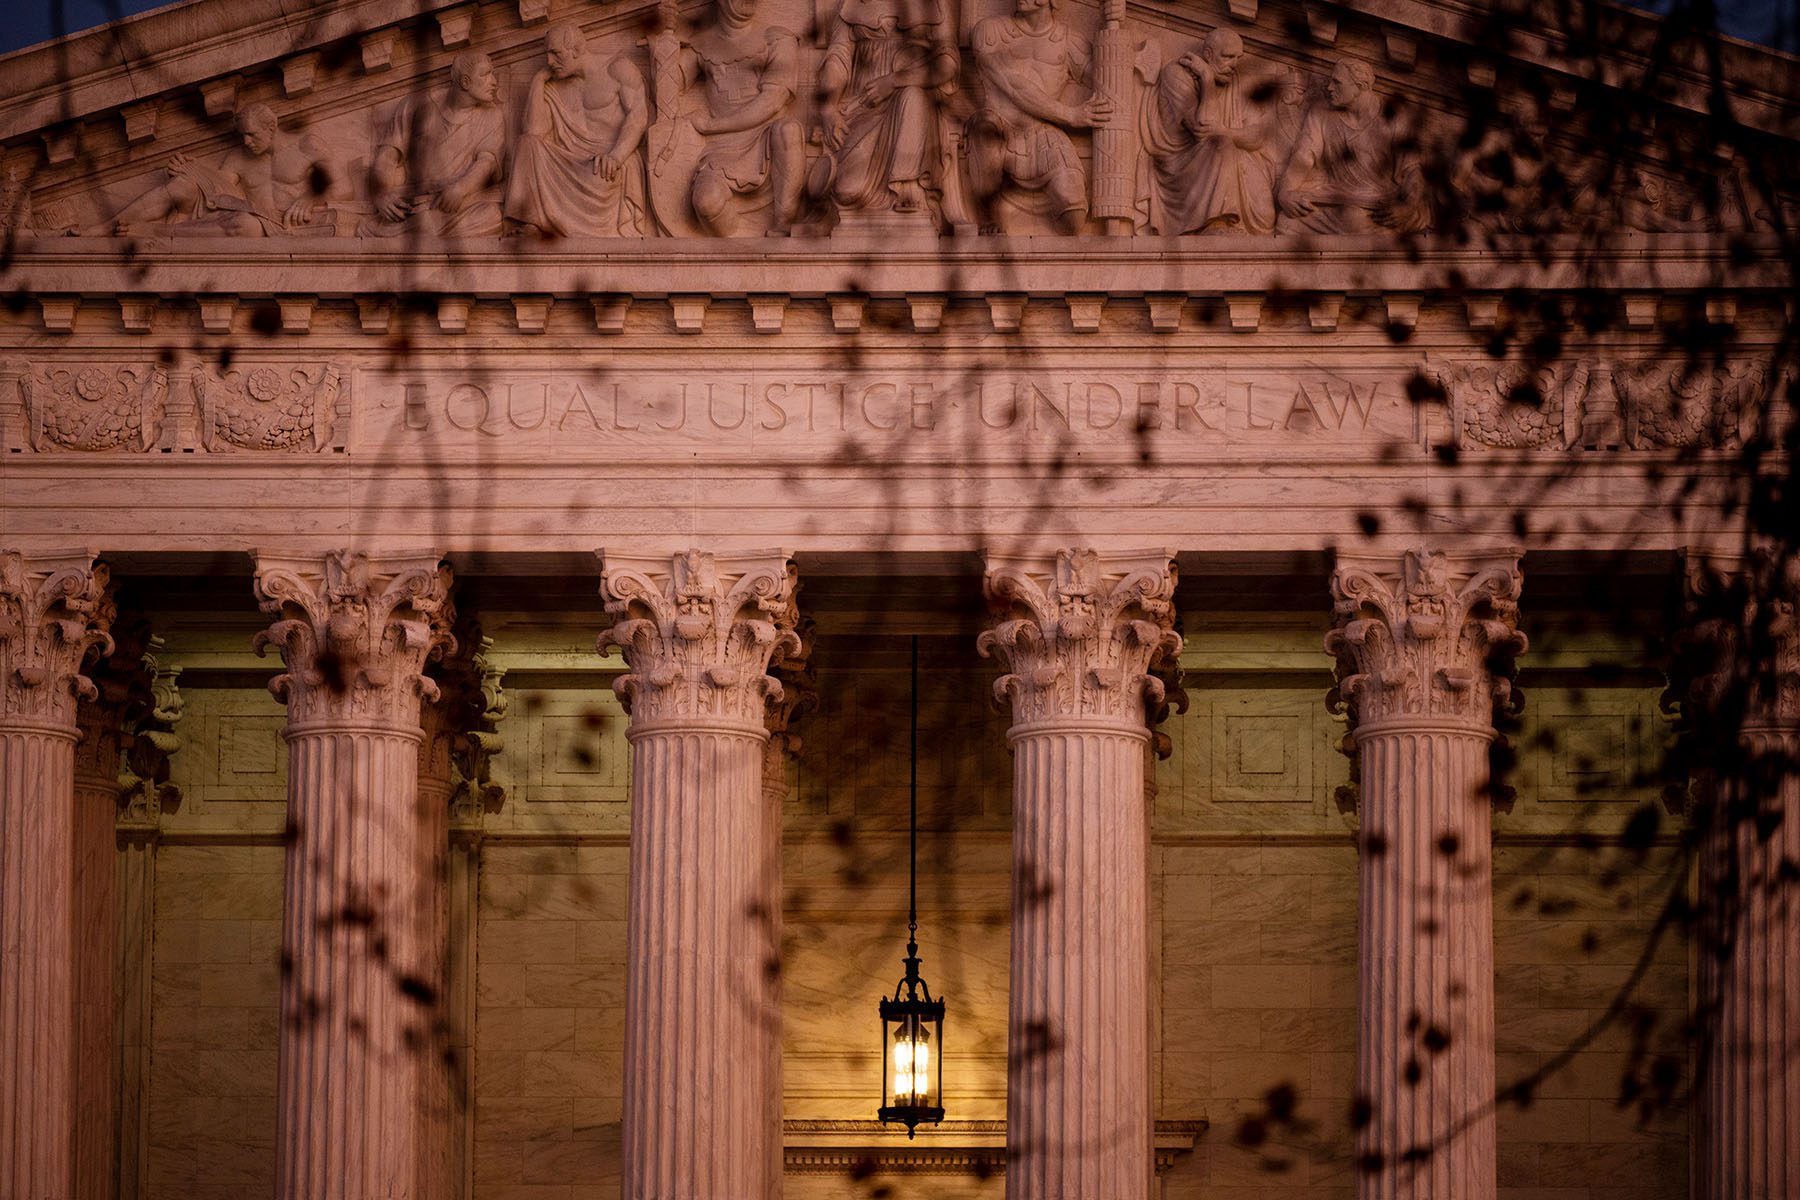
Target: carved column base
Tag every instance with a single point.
(700, 1015)
(358, 1012)
(1078, 1103)
(1425, 965)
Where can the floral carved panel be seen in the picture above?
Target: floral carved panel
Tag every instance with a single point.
(285, 408)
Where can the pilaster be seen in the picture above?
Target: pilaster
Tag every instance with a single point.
(702, 1108)
(458, 785)
(1083, 636)
(55, 612)
(358, 1006)
(1424, 642)
(144, 792)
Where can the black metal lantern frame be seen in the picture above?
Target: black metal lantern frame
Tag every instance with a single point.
(912, 1020)
(912, 1062)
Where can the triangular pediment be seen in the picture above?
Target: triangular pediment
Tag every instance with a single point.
(1462, 122)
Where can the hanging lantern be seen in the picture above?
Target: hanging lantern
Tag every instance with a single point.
(912, 1021)
(912, 1032)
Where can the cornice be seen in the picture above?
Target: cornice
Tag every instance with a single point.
(835, 1147)
(998, 266)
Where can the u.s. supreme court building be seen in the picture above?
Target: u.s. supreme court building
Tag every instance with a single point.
(476, 477)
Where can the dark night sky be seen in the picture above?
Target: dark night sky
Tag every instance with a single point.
(1772, 22)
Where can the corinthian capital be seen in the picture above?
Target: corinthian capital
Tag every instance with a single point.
(54, 612)
(1737, 660)
(1082, 636)
(1427, 635)
(699, 631)
(355, 632)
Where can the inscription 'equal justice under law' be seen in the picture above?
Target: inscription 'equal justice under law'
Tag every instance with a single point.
(1038, 405)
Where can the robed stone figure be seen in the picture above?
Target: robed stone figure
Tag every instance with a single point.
(578, 170)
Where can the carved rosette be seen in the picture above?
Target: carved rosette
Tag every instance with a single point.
(355, 632)
(1431, 642)
(95, 408)
(54, 613)
(699, 632)
(274, 408)
(1092, 639)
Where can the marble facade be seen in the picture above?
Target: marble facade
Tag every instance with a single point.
(1243, 426)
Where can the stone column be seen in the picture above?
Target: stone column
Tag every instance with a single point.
(54, 859)
(1079, 634)
(357, 1009)
(699, 632)
(1424, 642)
(1742, 709)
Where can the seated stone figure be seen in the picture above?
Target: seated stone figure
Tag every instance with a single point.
(1212, 154)
(578, 170)
(731, 89)
(886, 65)
(436, 170)
(1027, 61)
(265, 187)
(1345, 174)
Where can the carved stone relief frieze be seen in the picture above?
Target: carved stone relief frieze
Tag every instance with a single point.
(1513, 405)
(285, 407)
(98, 407)
(1013, 116)
(1605, 404)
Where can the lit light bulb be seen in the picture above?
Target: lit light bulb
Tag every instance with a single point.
(903, 1054)
(921, 1055)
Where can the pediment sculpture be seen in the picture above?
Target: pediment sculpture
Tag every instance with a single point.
(912, 116)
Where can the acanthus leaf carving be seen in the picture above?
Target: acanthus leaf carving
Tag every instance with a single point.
(699, 632)
(1429, 636)
(270, 407)
(1682, 403)
(55, 612)
(128, 726)
(1514, 405)
(1085, 636)
(795, 671)
(96, 407)
(355, 632)
(461, 750)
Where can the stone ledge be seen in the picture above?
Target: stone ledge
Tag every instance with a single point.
(1084, 267)
(975, 1148)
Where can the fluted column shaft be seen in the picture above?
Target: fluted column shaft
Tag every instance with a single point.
(356, 1046)
(702, 1105)
(358, 1006)
(1735, 687)
(1425, 641)
(1078, 1115)
(1079, 633)
(54, 1114)
(1749, 1128)
(1425, 963)
(699, 1015)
